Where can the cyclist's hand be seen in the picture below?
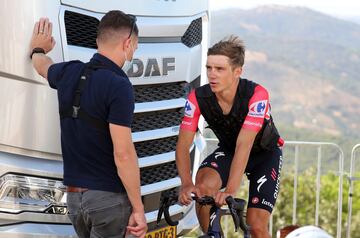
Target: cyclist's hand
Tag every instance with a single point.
(185, 193)
(221, 196)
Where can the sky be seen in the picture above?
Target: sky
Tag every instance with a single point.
(338, 8)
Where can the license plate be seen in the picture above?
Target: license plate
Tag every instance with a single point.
(165, 232)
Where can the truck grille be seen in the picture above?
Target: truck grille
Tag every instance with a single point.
(154, 147)
(81, 30)
(158, 173)
(157, 119)
(193, 34)
(158, 92)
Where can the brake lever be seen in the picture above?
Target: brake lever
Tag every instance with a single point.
(239, 206)
(233, 211)
(241, 203)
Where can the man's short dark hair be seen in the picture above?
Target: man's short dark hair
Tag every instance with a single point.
(115, 21)
(232, 47)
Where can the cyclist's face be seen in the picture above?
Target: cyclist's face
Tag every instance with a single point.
(220, 73)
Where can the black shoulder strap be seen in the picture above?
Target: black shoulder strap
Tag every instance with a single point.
(246, 88)
(75, 110)
(207, 102)
(203, 91)
(244, 93)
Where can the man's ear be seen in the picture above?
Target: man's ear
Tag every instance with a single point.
(238, 71)
(126, 43)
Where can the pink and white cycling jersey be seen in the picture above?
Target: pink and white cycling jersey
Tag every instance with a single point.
(258, 111)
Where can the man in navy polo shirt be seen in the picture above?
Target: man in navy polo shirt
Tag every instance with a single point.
(96, 104)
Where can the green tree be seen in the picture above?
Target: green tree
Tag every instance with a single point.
(306, 202)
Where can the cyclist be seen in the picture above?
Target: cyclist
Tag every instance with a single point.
(238, 112)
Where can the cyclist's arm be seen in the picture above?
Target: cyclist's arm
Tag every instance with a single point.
(244, 144)
(185, 140)
(258, 111)
(187, 132)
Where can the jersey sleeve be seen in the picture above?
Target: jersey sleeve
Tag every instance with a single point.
(258, 109)
(191, 113)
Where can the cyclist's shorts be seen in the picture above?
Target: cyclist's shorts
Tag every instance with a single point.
(263, 171)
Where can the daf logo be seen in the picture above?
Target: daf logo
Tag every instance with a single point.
(151, 67)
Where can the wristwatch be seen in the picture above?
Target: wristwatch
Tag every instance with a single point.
(37, 50)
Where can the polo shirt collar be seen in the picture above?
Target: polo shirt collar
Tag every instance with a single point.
(109, 63)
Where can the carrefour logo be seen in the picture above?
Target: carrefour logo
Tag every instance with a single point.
(257, 109)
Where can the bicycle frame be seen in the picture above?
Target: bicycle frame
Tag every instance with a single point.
(215, 229)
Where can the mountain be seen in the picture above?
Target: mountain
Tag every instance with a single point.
(353, 19)
(309, 62)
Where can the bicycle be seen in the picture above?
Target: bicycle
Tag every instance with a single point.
(235, 209)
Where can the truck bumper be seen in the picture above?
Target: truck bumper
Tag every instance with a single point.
(36, 230)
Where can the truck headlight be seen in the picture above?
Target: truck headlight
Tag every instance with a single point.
(19, 193)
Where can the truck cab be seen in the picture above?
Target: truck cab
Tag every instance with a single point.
(169, 63)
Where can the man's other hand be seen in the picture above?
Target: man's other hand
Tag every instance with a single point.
(137, 224)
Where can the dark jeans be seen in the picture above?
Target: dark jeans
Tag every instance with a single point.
(98, 213)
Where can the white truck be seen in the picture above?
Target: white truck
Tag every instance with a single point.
(170, 59)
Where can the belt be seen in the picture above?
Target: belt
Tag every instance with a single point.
(72, 189)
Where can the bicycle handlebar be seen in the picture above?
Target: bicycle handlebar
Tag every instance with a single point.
(236, 209)
(164, 208)
(203, 201)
